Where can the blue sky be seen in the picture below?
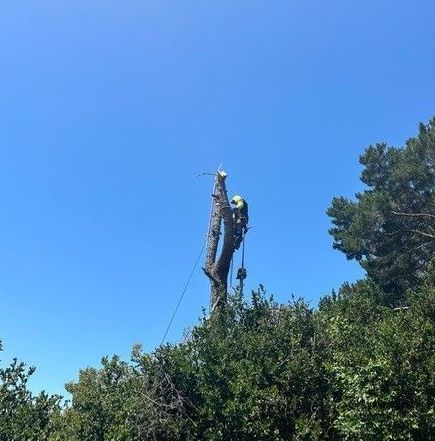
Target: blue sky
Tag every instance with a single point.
(110, 109)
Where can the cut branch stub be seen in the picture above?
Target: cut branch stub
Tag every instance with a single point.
(217, 269)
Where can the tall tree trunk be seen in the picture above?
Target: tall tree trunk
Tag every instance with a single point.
(217, 270)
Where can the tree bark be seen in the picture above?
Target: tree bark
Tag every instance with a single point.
(217, 269)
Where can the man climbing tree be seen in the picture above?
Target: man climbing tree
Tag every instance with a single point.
(234, 227)
(241, 218)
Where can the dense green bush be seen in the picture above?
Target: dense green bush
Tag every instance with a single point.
(353, 369)
(252, 371)
(382, 365)
(24, 416)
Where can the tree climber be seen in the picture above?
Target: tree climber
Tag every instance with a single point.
(241, 218)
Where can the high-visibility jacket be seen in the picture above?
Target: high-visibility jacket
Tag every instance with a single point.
(240, 212)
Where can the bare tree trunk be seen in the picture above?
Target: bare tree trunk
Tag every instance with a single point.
(217, 270)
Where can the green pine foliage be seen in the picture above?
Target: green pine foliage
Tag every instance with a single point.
(390, 227)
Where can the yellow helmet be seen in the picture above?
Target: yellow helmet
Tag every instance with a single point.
(236, 199)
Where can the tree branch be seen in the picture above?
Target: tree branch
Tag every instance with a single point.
(398, 213)
(432, 236)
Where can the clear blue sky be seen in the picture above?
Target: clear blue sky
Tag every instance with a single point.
(108, 111)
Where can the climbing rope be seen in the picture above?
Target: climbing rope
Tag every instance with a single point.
(231, 272)
(241, 272)
(196, 262)
(211, 210)
(243, 251)
(183, 292)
